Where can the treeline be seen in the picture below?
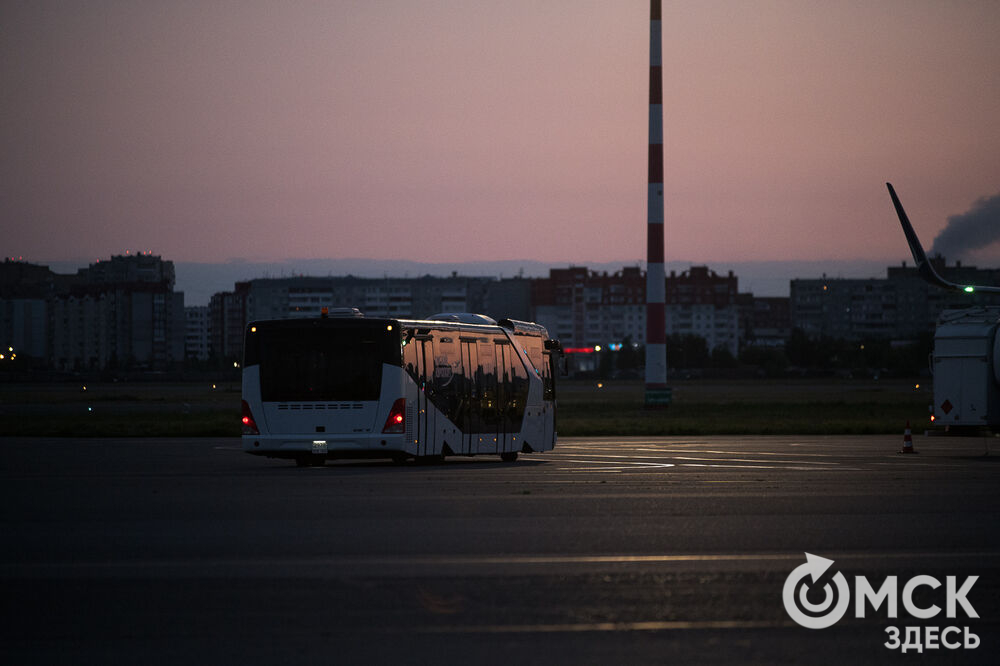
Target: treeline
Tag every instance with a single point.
(800, 355)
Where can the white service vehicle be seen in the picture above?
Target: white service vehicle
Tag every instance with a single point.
(966, 359)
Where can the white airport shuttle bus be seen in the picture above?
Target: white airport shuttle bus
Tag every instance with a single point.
(350, 386)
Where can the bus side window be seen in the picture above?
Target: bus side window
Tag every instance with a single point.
(487, 380)
(469, 410)
(410, 350)
(533, 348)
(517, 396)
(448, 375)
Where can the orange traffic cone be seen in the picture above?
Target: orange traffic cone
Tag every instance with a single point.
(907, 440)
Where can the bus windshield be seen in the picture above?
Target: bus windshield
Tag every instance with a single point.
(322, 360)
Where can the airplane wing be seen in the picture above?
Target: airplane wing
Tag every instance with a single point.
(924, 267)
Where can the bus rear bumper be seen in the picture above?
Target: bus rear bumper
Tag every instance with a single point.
(332, 446)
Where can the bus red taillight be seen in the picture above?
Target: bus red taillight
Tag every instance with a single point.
(396, 422)
(249, 425)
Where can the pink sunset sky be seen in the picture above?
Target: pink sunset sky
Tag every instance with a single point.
(438, 130)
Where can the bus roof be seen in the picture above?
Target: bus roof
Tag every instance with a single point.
(512, 325)
(516, 327)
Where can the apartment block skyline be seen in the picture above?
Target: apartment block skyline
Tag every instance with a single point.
(121, 313)
(124, 312)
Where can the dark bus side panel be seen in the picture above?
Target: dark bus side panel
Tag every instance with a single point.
(477, 381)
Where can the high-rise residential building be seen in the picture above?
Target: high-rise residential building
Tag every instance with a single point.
(228, 314)
(197, 331)
(120, 313)
(765, 321)
(900, 306)
(24, 289)
(703, 303)
(584, 308)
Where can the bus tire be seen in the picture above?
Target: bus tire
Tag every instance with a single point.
(508, 456)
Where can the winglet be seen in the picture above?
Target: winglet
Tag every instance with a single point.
(919, 257)
(924, 267)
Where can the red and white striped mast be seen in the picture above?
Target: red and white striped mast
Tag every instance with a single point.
(657, 392)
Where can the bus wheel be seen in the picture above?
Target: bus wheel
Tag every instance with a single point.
(399, 458)
(508, 456)
(430, 460)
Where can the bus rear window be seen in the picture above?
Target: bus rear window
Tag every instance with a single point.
(307, 363)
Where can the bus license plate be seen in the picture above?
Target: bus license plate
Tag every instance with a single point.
(319, 446)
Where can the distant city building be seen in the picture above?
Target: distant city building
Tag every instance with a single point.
(764, 321)
(24, 289)
(509, 298)
(196, 336)
(899, 307)
(703, 303)
(290, 298)
(121, 313)
(919, 304)
(138, 268)
(285, 298)
(228, 316)
(24, 326)
(584, 308)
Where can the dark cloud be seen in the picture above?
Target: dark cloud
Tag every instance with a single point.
(972, 230)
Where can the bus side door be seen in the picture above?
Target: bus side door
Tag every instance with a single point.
(424, 430)
(504, 395)
(489, 408)
(469, 411)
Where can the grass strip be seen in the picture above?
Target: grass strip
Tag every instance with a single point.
(574, 420)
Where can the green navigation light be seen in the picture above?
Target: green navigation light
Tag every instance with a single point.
(969, 290)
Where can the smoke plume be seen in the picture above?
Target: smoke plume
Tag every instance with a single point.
(971, 230)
